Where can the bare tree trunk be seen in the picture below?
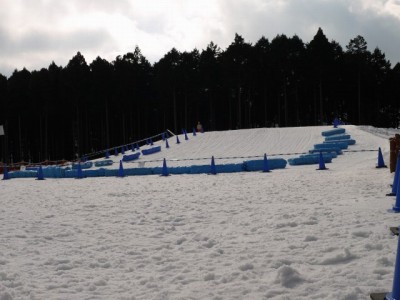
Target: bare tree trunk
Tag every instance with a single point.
(175, 112)
(239, 108)
(359, 97)
(321, 109)
(107, 126)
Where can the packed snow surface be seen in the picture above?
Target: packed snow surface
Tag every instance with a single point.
(294, 233)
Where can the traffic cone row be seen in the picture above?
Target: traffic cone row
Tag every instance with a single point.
(395, 293)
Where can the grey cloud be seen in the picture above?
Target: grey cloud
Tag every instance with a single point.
(44, 47)
(35, 41)
(303, 17)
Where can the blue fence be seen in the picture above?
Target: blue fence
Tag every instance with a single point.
(103, 163)
(257, 165)
(131, 157)
(151, 150)
(333, 131)
(309, 160)
(246, 166)
(337, 137)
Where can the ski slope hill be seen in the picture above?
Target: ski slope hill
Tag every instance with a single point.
(238, 145)
(294, 233)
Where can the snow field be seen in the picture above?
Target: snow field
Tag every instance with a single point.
(295, 233)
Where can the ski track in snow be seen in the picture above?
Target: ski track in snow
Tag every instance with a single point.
(294, 233)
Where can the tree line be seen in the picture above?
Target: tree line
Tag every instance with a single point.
(65, 112)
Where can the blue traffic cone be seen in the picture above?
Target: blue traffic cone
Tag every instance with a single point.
(396, 207)
(213, 170)
(6, 176)
(164, 169)
(381, 163)
(321, 162)
(79, 173)
(166, 144)
(194, 131)
(115, 151)
(395, 294)
(177, 140)
(396, 178)
(185, 133)
(107, 155)
(265, 164)
(40, 174)
(121, 172)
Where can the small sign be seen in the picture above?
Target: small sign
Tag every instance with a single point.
(1, 130)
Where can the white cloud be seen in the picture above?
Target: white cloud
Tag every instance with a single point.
(34, 33)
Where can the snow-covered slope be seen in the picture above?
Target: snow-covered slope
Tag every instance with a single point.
(237, 145)
(294, 233)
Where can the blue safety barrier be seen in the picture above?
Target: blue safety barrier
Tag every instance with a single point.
(22, 174)
(338, 137)
(257, 165)
(340, 145)
(310, 160)
(333, 131)
(53, 172)
(103, 163)
(131, 157)
(349, 142)
(171, 170)
(85, 165)
(331, 154)
(31, 168)
(94, 173)
(151, 150)
(326, 150)
(71, 173)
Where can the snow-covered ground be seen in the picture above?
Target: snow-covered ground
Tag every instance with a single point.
(294, 233)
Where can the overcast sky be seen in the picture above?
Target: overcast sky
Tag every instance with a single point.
(33, 33)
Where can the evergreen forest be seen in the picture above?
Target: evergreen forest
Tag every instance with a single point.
(65, 112)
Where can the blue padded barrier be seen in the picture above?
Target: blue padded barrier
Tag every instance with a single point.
(151, 150)
(327, 150)
(257, 165)
(333, 131)
(129, 172)
(341, 145)
(179, 170)
(327, 154)
(337, 137)
(22, 174)
(224, 168)
(229, 168)
(201, 169)
(94, 173)
(349, 142)
(53, 172)
(103, 163)
(72, 173)
(85, 165)
(131, 157)
(32, 168)
(173, 170)
(310, 160)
